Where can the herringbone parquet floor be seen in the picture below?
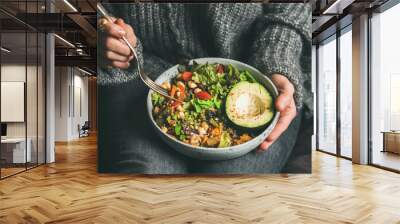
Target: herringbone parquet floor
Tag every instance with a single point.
(70, 191)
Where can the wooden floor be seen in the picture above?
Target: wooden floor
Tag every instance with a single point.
(70, 191)
(5, 172)
(8, 171)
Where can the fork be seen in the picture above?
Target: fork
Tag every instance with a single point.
(145, 78)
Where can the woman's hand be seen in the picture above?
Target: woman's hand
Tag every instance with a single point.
(115, 52)
(285, 105)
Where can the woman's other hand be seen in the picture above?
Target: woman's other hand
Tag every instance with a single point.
(285, 104)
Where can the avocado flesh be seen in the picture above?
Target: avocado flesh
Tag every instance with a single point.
(249, 105)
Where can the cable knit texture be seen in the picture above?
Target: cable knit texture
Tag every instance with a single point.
(274, 38)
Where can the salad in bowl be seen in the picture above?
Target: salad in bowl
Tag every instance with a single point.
(223, 105)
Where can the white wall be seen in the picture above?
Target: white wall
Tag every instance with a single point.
(10, 73)
(13, 101)
(80, 94)
(62, 81)
(16, 73)
(70, 83)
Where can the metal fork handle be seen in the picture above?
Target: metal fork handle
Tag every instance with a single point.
(150, 83)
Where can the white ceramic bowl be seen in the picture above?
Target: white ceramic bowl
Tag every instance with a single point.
(207, 153)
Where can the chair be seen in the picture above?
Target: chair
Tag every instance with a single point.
(84, 130)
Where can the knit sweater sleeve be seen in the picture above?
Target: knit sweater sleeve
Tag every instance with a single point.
(278, 47)
(109, 75)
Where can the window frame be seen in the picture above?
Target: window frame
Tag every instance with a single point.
(337, 35)
(381, 9)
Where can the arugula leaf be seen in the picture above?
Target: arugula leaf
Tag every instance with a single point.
(230, 70)
(199, 105)
(204, 103)
(236, 72)
(157, 99)
(217, 102)
(243, 77)
(196, 77)
(250, 78)
(178, 129)
(197, 108)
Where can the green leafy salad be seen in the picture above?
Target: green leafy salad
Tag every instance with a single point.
(222, 106)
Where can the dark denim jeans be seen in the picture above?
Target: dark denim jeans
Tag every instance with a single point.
(128, 144)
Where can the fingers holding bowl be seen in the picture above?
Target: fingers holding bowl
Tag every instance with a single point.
(285, 104)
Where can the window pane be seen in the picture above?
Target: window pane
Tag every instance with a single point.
(385, 88)
(15, 150)
(346, 94)
(31, 97)
(327, 96)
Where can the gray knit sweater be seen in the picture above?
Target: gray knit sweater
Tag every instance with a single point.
(274, 38)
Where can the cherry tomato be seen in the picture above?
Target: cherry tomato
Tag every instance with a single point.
(186, 76)
(203, 95)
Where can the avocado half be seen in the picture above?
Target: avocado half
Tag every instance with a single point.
(249, 105)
